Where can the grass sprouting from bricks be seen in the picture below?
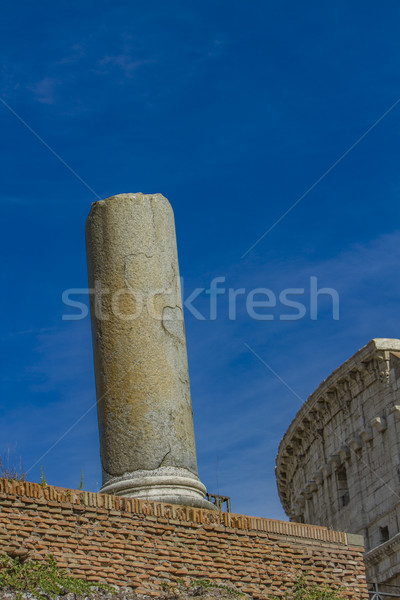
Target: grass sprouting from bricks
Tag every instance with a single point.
(305, 591)
(11, 466)
(43, 579)
(182, 589)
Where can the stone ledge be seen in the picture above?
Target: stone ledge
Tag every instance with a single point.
(355, 540)
(376, 554)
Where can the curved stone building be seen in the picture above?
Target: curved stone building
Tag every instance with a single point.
(338, 464)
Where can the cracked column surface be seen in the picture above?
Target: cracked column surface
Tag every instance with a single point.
(145, 414)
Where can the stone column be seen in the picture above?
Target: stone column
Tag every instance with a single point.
(144, 407)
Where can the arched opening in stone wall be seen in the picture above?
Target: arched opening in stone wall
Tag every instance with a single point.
(384, 534)
(342, 486)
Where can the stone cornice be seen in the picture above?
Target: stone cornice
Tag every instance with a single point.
(376, 554)
(368, 365)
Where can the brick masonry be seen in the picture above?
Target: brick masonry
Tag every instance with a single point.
(125, 541)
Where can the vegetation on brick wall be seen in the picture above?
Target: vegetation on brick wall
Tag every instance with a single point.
(42, 579)
(197, 587)
(305, 591)
(139, 543)
(11, 466)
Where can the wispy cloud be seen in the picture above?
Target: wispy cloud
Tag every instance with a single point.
(62, 358)
(241, 410)
(44, 90)
(124, 62)
(77, 52)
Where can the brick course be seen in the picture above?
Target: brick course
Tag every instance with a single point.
(126, 541)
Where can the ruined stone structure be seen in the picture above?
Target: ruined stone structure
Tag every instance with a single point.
(142, 381)
(143, 544)
(338, 464)
(155, 527)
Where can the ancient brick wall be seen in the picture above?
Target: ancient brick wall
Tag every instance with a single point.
(134, 542)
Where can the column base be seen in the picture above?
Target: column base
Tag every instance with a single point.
(171, 485)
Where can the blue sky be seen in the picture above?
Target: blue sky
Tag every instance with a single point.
(232, 110)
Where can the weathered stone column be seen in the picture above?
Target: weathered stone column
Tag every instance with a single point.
(144, 407)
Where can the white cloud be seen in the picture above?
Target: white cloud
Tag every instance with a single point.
(124, 62)
(44, 90)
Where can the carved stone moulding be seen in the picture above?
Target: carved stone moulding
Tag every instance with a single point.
(379, 423)
(344, 452)
(355, 442)
(396, 411)
(326, 470)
